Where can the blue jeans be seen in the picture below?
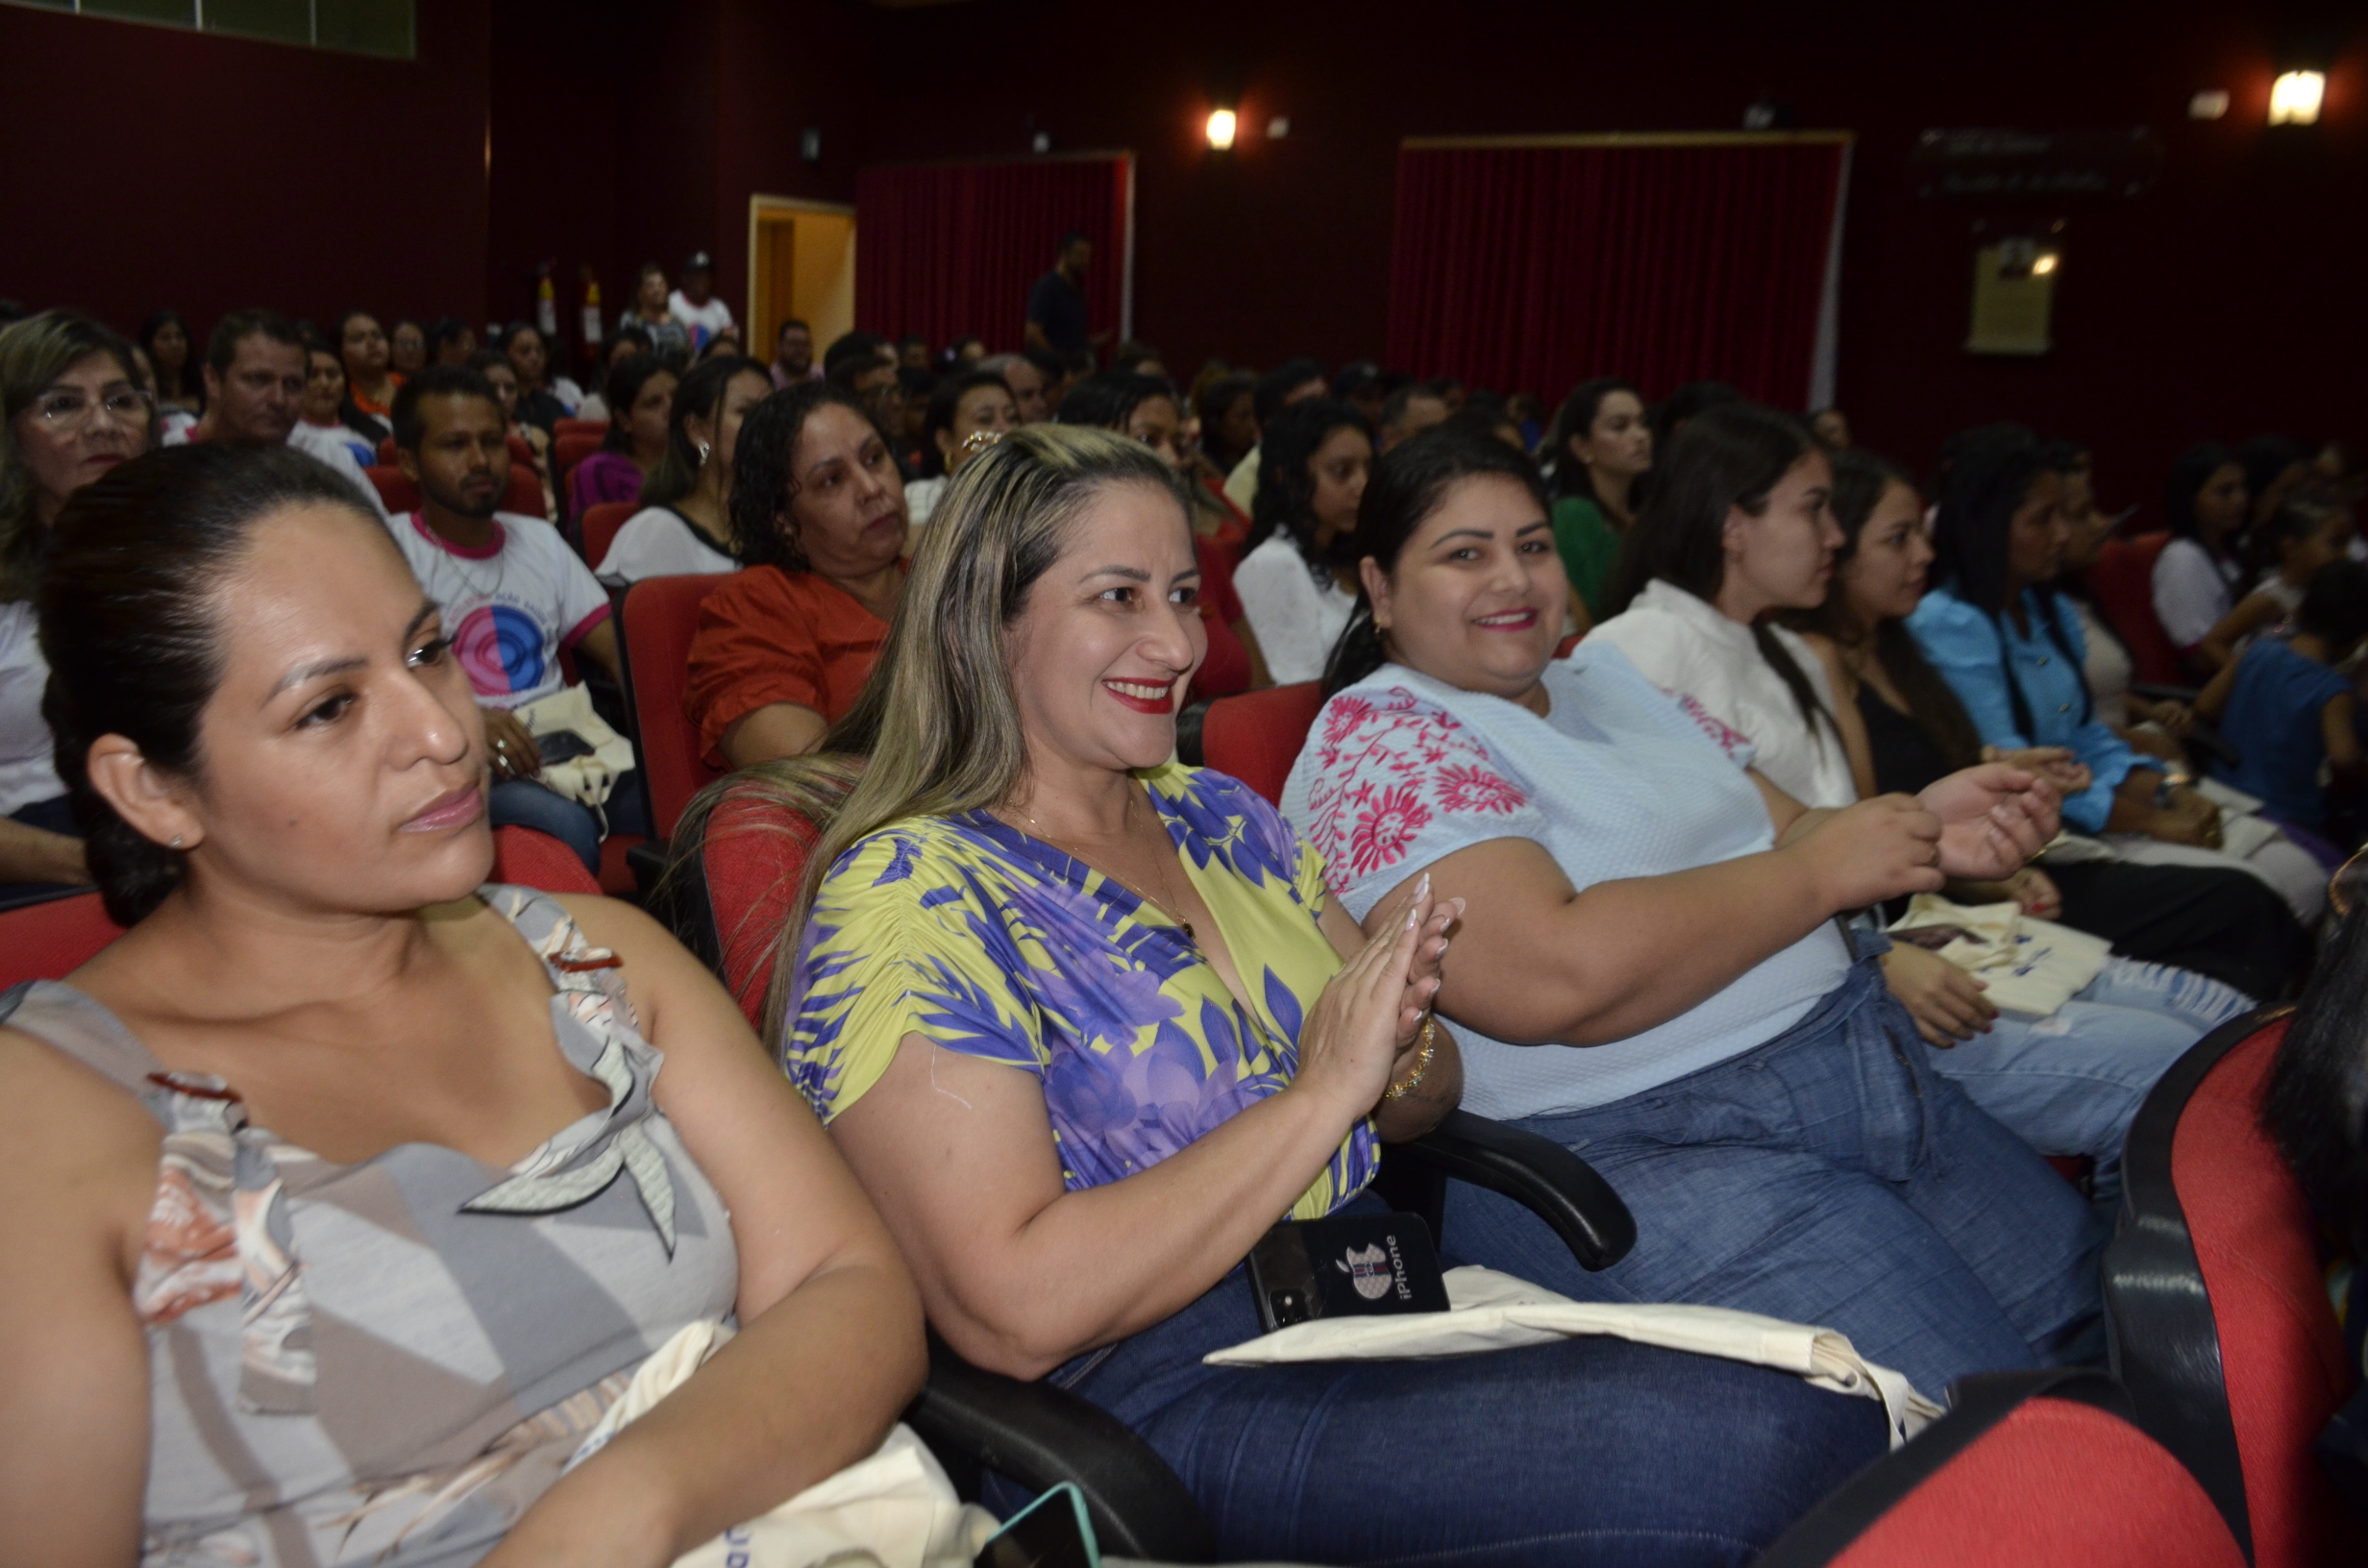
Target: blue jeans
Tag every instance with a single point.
(1831, 1177)
(2068, 1084)
(521, 803)
(1590, 1451)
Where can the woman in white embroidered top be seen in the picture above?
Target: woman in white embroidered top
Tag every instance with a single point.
(1298, 581)
(685, 526)
(1634, 888)
(1748, 518)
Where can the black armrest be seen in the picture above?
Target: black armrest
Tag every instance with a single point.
(647, 862)
(1038, 1436)
(1537, 1173)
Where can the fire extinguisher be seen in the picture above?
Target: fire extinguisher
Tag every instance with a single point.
(591, 314)
(545, 304)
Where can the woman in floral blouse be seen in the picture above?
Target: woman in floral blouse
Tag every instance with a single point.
(1636, 889)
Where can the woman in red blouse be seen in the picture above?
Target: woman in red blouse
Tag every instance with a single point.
(817, 515)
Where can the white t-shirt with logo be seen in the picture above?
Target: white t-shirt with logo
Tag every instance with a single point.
(335, 446)
(509, 606)
(660, 542)
(706, 322)
(28, 768)
(321, 445)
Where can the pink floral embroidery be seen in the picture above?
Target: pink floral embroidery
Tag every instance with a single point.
(1344, 714)
(1465, 787)
(1384, 828)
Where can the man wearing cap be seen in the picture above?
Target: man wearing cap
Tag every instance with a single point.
(702, 315)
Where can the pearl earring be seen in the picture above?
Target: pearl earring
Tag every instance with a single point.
(176, 841)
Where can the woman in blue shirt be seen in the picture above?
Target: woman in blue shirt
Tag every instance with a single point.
(2013, 654)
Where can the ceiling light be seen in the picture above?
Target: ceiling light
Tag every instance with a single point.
(2209, 104)
(2294, 99)
(2043, 263)
(1221, 127)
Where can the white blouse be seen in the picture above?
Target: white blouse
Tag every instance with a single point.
(28, 768)
(2191, 592)
(1686, 647)
(660, 542)
(1295, 619)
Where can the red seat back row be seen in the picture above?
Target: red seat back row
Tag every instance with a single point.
(660, 617)
(50, 941)
(2124, 582)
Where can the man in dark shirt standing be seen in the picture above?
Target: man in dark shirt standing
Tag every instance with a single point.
(1056, 318)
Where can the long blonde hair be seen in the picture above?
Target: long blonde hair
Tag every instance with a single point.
(936, 730)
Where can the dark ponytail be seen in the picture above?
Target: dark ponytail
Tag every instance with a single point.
(130, 625)
(1410, 483)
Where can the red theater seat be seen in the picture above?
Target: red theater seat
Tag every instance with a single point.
(567, 451)
(1257, 736)
(50, 941)
(2029, 1470)
(2221, 1326)
(594, 427)
(660, 616)
(537, 860)
(601, 525)
(2124, 582)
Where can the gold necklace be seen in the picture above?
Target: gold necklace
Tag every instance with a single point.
(1170, 908)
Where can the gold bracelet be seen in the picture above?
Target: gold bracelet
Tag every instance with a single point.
(1422, 1063)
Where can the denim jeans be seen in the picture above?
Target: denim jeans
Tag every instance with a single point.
(1588, 1451)
(2069, 1083)
(1829, 1176)
(521, 803)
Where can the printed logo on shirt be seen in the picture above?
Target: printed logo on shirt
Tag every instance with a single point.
(501, 648)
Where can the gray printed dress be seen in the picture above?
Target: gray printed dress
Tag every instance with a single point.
(388, 1363)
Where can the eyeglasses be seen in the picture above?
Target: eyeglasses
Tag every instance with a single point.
(66, 405)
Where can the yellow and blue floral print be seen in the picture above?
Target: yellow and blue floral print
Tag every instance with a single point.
(996, 944)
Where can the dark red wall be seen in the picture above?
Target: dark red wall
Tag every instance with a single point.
(214, 173)
(2224, 302)
(152, 167)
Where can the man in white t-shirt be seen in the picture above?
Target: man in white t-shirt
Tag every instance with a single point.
(702, 315)
(254, 387)
(511, 592)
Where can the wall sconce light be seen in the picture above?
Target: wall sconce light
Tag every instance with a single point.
(2294, 98)
(2209, 104)
(1221, 128)
(2043, 263)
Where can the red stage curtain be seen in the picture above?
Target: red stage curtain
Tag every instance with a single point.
(1533, 267)
(947, 250)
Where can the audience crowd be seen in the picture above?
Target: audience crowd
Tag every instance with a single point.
(1649, 738)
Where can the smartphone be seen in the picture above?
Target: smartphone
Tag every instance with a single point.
(1347, 1265)
(1053, 1532)
(563, 746)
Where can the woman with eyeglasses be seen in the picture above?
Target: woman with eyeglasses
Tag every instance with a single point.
(75, 409)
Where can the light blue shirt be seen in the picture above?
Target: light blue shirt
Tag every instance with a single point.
(1619, 780)
(1972, 649)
